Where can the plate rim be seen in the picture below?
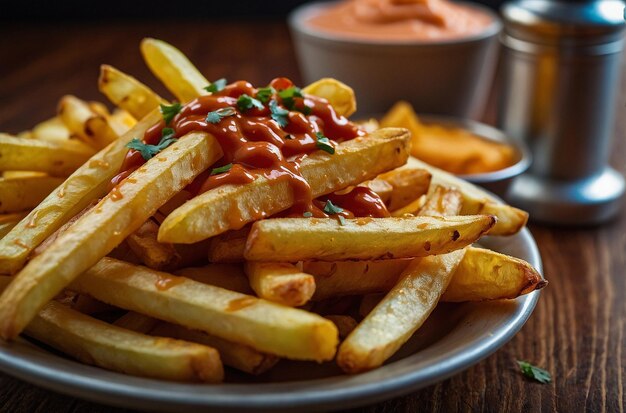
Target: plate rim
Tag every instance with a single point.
(277, 396)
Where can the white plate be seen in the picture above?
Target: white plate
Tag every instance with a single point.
(454, 338)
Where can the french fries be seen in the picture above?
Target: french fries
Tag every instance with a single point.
(340, 95)
(328, 240)
(52, 129)
(86, 184)
(487, 275)
(92, 341)
(84, 122)
(209, 214)
(261, 324)
(53, 158)
(238, 356)
(407, 186)
(173, 68)
(104, 227)
(284, 287)
(403, 310)
(143, 242)
(283, 283)
(127, 92)
(20, 194)
(477, 201)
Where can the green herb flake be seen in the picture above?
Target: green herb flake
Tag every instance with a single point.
(323, 143)
(216, 86)
(332, 209)
(288, 95)
(280, 115)
(148, 151)
(342, 220)
(534, 372)
(307, 214)
(170, 111)
(217, 115)
(264, 94)
(221, 169)
(246, 102)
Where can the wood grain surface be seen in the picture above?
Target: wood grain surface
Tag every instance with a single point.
(576, 332)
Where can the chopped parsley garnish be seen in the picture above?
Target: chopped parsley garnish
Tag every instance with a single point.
(264, 94)
(221, 169)
(307, 214)
(332, 209)
(323, 143)
(288, 94)
(216, 86)
(534, 372)
(147, 151)
(170, 111)
(246, 102)
(307, 110)
(217, 115)
(279, 114)
(342, 220)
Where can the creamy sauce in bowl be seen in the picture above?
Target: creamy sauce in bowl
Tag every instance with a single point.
(400, 20)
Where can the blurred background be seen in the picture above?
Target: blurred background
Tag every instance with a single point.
(78, 9)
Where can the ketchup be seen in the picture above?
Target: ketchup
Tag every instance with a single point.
(263, 134)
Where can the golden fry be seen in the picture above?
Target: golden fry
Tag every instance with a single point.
(20, 194)
(280, 282)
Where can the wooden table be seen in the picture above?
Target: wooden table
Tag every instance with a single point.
(576, 332)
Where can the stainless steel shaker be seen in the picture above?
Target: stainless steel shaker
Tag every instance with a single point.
(561, 77)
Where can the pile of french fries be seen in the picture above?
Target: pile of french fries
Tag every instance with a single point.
(142, 280)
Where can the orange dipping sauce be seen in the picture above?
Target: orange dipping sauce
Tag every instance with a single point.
(405, 20)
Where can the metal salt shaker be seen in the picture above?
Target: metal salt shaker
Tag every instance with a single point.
(561, 77)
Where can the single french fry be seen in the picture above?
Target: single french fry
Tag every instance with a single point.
(338, 94)
(153, 254)
(280, 282)
(228, 276)
(127, 92)
(354, 161)
(487, 275)
(92, 341)
(104, 227)
(53, 158)
(173, 68)
(121, 121)
(52, 129)
(82, 121)
(477, 201)
(136, 322)
(334, 279)
(229, 246)
(411, 209)
(19, 194)
(442, 201)
(238, 356)
(86, 184)
(324, 239)
(95, 342)
(408, 185)
(261, 324)
(235, 355)
(344, 323)
(403, 310)
(22, 174)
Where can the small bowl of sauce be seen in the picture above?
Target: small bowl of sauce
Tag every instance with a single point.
(437, 54)
(474, 151)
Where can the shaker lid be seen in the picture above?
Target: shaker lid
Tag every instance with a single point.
(555, 21)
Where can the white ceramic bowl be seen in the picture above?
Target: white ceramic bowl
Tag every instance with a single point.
(450, 77)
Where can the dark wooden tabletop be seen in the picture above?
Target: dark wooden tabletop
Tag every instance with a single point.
(576, 331)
